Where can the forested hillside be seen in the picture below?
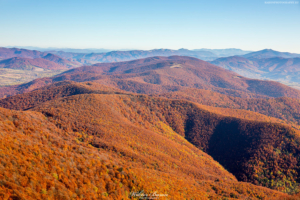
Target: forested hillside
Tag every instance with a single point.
(164, 74)
(89, 133)
(284, 108)
(80, 156)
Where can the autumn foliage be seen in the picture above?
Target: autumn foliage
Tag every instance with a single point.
(96, 139)
(157, 75)
(39, 161)
(106, 148)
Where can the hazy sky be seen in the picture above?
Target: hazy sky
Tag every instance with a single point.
(149, 24)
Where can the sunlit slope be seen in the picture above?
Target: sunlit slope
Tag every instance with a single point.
(153, 132)
(54, 91)
(39, 161)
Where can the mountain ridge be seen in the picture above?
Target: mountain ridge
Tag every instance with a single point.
(269, 53)
(31, 64)
(164, 74)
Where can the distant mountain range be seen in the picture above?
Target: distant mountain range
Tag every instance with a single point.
(265, 64)
(15, 56)
(48, 62)
(218, 52)
(269, 53)
(72, 50)
(91, 56)
(112, 56)
(118, 56)
(225, 52)
(22, 65)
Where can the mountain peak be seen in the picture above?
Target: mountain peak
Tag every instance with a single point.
(268, 50)
(270, 53)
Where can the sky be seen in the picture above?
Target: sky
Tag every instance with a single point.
(151, 24)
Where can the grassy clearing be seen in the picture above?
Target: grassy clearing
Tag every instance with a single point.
(14, 76)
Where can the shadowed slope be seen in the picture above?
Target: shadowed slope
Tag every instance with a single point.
(59, 60)
(284, 108)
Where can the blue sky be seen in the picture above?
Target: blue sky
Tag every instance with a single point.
(149, 24)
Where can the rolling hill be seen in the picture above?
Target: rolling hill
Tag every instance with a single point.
(10, 53)
(238, 144)
(19, 66)
(97, 110)
(60, 61)
(54, 91)
(265, 64)
(6, 53)
(37, 64)
(49, 62)
(286, 109)
(164, 74)
(77, 153)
